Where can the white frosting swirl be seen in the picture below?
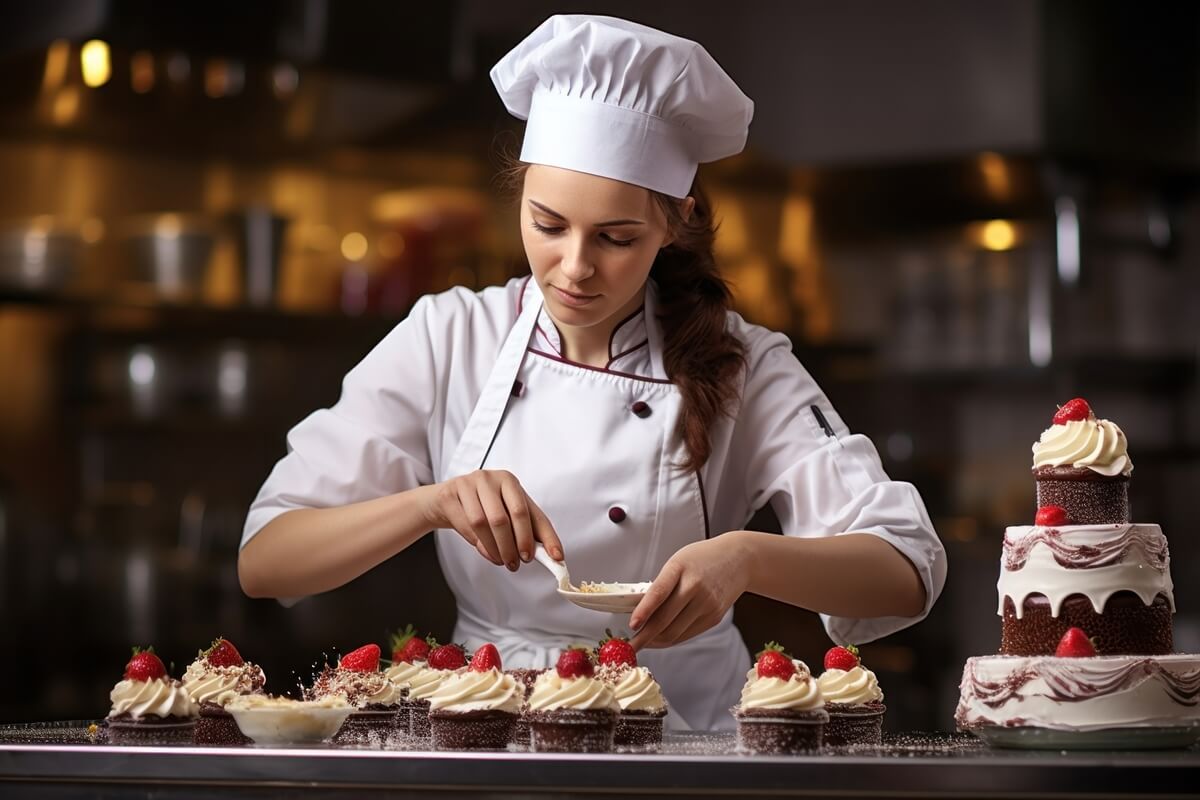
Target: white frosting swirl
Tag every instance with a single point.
(634, 688)
(799, 692)
(205, 683)
(401, 672)
(425, 682)
(854, 687)
(1098, 445)
(551, 692)
(478, 691)
(161, 697)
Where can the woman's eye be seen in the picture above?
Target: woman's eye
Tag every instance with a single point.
(544, 229)
(617, 242)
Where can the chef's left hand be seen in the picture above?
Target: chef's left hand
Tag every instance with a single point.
(692, 592)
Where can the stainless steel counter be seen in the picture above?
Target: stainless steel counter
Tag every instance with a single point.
(934, 765)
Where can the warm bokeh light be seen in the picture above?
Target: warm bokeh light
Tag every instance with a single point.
(391, 246)
(58, 57)
(92, 230)
(141, 71)
(66, 105)
(96, 64)
(354, 246)
(996, 175)
(998, 234)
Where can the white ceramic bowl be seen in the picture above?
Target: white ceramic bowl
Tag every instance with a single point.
(293, 724)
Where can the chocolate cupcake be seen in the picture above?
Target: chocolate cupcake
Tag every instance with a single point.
(781, 711)
(444, 661)
(476, 709)
(570, 711)
(1082, 464)
(853, 699)
(525, 679)
(375, 698)
(409, 656)
(148, 706)
(217, 676)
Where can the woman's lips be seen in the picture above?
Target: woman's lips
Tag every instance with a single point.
(573, 300)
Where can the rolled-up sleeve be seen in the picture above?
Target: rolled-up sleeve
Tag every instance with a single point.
(821, 480)
(373, 442)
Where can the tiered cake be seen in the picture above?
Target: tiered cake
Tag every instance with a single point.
(1085, 601)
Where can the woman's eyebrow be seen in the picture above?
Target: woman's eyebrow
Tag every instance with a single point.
(610, 223)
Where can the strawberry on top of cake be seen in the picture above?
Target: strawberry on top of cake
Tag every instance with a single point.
(146, 690)
(634, 688)
(410, 654)
(219, 674)
(357, 678)
(482, 686)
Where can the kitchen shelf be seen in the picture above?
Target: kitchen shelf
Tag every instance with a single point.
(186, 320)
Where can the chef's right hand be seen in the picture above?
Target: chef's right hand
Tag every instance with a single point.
(490, 509)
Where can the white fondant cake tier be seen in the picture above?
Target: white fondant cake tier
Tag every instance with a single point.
(1096, 561)
(1080, 694)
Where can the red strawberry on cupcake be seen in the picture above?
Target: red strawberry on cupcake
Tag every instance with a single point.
(410, 648)
(364, 659)
(843, 658)
(615, 651)
(145, 666)
(574, 662)
(447, 657)
(487, 657)
(1074, 410)
(772, 662)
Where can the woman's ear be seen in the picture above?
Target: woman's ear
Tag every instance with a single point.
(686, 206)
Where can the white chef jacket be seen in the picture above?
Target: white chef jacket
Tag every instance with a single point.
(404, 407)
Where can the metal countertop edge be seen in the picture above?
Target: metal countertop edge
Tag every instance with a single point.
(1036, 775)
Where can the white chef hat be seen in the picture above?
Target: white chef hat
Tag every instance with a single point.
(613, 98)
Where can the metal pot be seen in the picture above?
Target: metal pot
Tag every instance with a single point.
(171, 252)
(38, 254)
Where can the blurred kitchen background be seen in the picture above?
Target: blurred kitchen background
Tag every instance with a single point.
(962, 213)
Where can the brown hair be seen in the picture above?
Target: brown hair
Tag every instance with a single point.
(701, 357)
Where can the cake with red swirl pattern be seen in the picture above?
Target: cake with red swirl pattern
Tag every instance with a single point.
(1086, 602)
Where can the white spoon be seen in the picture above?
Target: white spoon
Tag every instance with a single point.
(613, 598)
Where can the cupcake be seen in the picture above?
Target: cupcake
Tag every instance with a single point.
(1082, 464)
(217, 676)
(852, 698)
(643, 707)
(781, 711)
(148, 706)
(375, 698)
(409, 654)
(525, 679)
(476, 709)
(444, 661)
(570, 711)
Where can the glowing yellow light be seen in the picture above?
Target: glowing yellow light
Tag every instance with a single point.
(141, 71)
(97, 68)
(354, 246)
(998, 234)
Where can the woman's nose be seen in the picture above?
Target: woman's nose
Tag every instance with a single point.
(577, 263)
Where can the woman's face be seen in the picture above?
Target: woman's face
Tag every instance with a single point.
(590, 242)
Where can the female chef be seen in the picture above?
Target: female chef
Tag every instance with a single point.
(610, 406)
